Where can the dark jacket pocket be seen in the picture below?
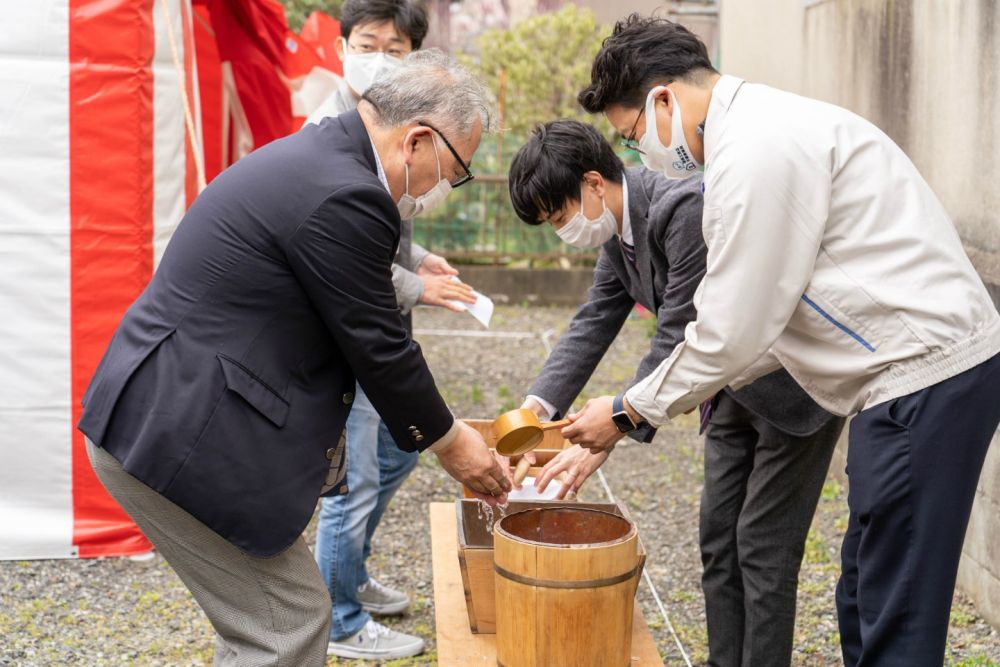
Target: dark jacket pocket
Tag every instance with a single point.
(261, 397)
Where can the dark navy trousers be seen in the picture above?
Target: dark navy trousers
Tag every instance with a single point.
(913, 465)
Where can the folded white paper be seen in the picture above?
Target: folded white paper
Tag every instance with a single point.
(528, 491)
(482, 309)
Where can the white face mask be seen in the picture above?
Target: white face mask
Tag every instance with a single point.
(361, 70)
(675, 160)
(583, 232)
(409, 206)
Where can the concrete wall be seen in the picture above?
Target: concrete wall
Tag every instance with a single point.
(979, 572)
(538, 287)
(927, 73)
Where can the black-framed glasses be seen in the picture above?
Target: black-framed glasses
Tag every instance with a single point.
(630, 141)
(368, 48)
(464, 178)
(461, 180)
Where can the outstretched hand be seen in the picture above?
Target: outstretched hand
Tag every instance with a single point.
(470, 461)
(593, 427)
(435, 265)
(442, 290)
(577, 463)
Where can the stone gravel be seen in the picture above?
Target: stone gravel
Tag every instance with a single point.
(123, 612)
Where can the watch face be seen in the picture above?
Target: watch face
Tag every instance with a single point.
(623, 422)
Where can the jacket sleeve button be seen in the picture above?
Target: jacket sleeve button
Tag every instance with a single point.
(330, 453)
(348, 398)
(418, 438)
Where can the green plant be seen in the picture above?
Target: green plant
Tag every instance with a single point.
(816, 549)
(974, 661)
(961, 618)
(536, 68)
(297, 11)
(507, 400)
(831, 490)
(650, 325)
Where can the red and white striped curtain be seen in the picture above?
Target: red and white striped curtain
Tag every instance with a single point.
(103, 146)
(97, 166)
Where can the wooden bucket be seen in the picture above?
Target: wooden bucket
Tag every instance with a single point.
(565, 588)
(475, 554)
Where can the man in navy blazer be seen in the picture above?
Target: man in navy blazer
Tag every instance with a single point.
(215, 415)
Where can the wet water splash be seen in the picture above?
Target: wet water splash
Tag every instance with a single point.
(484, 508)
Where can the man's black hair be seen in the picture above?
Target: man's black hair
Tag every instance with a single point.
(409, 17)
(642, 52)
(548, 170)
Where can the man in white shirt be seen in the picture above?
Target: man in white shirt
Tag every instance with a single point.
(829, 255)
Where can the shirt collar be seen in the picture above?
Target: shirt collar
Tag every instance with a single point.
(626, 218)
(379, 169)
(723, 95)
(347, 100)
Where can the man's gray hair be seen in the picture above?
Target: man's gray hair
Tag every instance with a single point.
(433, 88)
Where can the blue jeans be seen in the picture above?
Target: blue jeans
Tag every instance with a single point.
(375, 469)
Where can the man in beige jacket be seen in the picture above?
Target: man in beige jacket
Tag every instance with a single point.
(829, 255)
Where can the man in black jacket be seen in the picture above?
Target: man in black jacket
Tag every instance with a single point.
(767, 446)
(215, 413)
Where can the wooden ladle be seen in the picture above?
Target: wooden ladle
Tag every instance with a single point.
(520, 431)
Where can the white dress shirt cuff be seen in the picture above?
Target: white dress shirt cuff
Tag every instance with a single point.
(445, 439)
(550, 410)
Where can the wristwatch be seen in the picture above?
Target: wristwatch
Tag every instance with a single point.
(621, 417)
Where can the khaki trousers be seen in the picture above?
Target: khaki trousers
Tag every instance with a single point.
(265, 611)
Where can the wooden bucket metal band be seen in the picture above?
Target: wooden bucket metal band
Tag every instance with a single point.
(552, 583)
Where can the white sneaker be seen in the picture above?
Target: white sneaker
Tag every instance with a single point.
(378, 599)
(377, 642)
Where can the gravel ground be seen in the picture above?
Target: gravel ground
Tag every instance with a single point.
(121, 612)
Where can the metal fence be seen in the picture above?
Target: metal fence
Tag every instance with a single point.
(477, 224)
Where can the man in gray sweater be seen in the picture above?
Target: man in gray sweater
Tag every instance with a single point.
(753, 528)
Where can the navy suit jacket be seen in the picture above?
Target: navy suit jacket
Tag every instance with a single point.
(230, 378)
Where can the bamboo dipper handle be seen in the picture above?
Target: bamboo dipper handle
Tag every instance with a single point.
(559, 424)
(521, 471)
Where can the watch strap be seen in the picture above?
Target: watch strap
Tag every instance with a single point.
(620, 416)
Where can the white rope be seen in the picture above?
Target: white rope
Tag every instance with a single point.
(649, 582)
(546, 337)
(182, 84)
(462, 333)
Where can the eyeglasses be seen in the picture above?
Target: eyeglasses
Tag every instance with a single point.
(630, 141)
(461, 180)
(464, 178)
(395, 52)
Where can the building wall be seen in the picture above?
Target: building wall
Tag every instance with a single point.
(609, 12)
(926, 72)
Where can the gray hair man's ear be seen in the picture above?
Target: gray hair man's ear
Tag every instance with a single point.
(411, 138)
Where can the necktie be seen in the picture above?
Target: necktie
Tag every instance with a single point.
(705, 412)
(628, 249)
